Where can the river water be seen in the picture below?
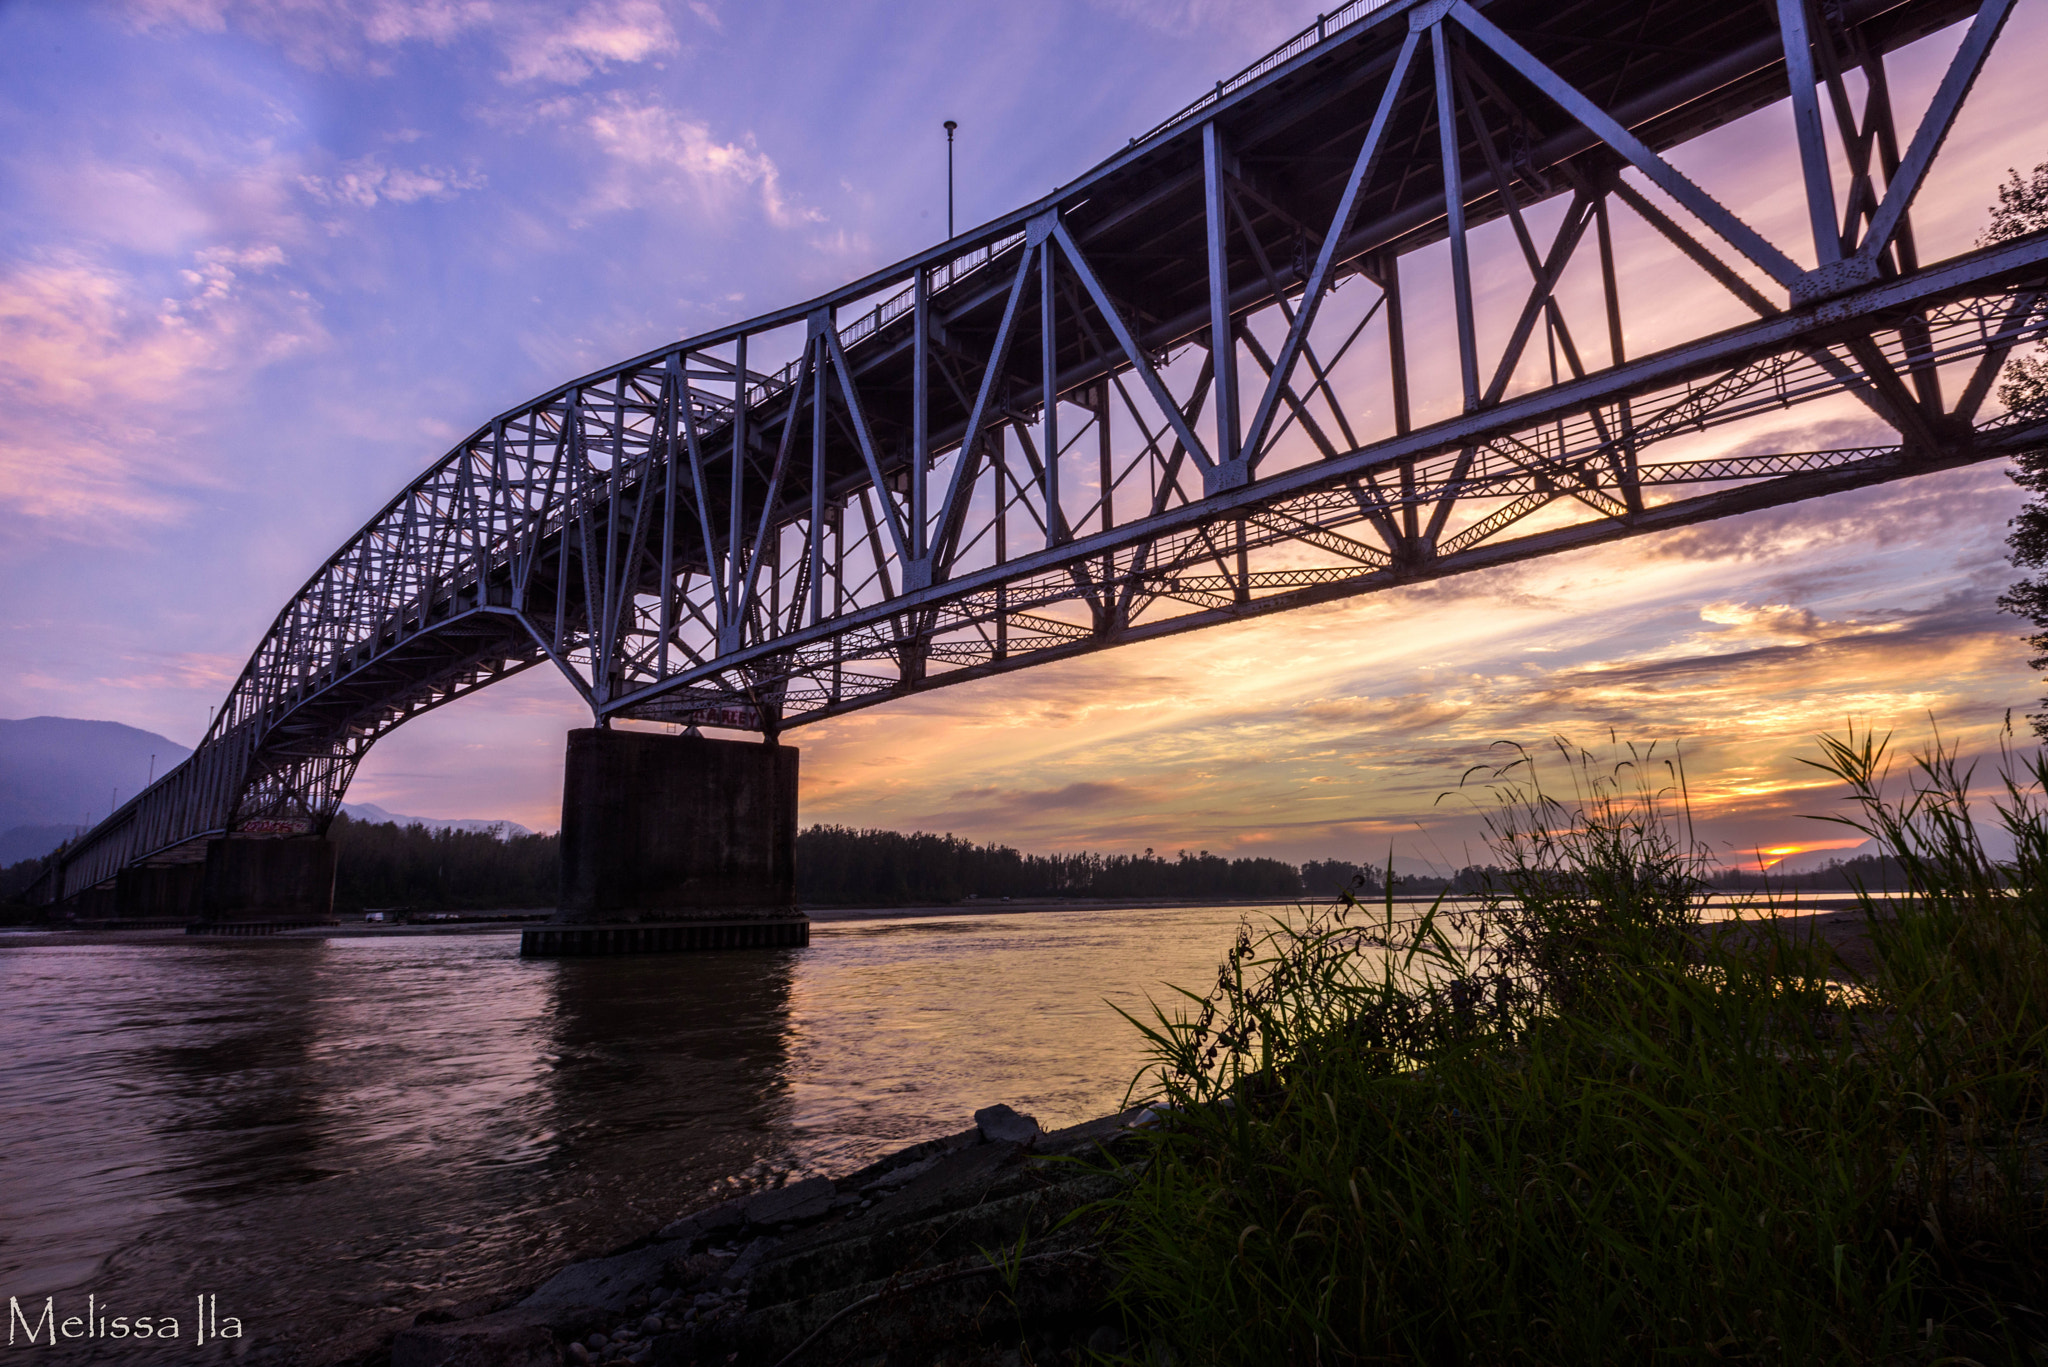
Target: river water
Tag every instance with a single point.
(330, 1135)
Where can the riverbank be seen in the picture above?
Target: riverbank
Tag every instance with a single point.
(966, 1249)
(958, 1249)
(595, 1100)
(1833, 915)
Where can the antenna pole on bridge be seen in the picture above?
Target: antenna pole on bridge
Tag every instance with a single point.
(950, 126)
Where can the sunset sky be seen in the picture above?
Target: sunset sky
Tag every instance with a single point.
(263, 260)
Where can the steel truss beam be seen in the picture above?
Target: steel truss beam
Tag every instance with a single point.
(1178, 392)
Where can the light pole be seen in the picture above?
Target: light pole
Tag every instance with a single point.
(950, 126)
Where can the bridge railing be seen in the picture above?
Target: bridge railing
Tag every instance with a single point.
(1325, 27)
(866, 324)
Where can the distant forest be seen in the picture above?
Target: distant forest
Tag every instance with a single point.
(383, 865)
(1872, 872)
(841, 866)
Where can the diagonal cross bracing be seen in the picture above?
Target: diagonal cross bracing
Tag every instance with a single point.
(1014, 448)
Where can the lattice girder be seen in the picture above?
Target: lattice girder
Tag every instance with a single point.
(1184, 389)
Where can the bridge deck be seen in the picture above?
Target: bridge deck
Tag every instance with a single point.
(1140, 405)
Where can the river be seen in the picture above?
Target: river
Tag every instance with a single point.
(330, 1135)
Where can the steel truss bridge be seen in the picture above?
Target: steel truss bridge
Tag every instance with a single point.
(1183, 390)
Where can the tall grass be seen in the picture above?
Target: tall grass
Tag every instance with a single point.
(1578, 1123)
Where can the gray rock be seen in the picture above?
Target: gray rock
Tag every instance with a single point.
(505, 1340)
(724, 1215)
(465, 1310)
(750, 1258)
(796, 1202)
(602, 1283)
(1000, 1124)
(896, 1177)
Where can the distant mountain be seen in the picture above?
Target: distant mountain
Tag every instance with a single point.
(375, 815)
(60, 776)
(58, 771)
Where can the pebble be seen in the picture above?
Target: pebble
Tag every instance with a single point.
(651, 1325)
(596, 1342)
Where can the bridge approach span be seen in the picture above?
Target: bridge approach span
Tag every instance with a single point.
(1255, 360)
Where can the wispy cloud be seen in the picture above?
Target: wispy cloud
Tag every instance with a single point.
(366, 180)
(344, 34)
(175, 670)
(536, 40)
(995, 807)
(568, 50)
(102, 380)
(1782, 622)
(659, 154)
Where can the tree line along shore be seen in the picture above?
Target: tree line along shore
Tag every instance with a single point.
(382, 864)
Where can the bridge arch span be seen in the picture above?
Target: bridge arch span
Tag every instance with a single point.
(1179, 391)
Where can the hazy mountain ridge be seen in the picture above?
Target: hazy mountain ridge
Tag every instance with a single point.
(63, 771)
(60, 776)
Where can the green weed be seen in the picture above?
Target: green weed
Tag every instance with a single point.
(1573, 1121)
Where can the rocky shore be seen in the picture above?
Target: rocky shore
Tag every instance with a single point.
(970, 1249)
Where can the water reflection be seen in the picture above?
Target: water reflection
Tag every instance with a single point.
(667, 1074)
(331, 1135)
(243, 1118)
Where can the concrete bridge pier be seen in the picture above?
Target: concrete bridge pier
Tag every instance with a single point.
(674, 843)
(169, 893)
(259, 886)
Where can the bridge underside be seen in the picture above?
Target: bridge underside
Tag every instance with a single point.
(1354, 321)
